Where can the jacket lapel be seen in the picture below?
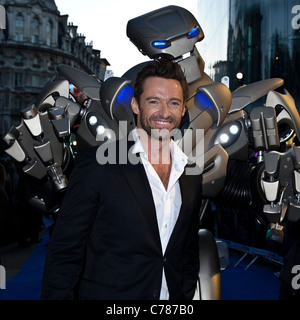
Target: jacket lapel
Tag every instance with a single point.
(139, 185)
(136, 177)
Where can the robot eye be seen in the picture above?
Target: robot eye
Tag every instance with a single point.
(161, 44)
(193, 33)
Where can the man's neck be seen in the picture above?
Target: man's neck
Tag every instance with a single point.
(158, 151)
(159, 156)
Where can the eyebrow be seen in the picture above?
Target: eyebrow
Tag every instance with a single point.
(157, 98)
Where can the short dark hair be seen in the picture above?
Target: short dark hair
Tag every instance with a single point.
(160, 68)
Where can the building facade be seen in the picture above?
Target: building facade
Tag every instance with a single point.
(259, 39)
(35, 41)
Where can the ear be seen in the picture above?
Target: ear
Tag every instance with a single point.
(135, 106)
(183, 111)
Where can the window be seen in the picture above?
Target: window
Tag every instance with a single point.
(35, 81)
(18, 104)
(35, 31)
(19, 35)
(19, 60)
(20, 21)
(36, 62)
(49, 33)
(50, 64)
(19, 79)
(35, 39)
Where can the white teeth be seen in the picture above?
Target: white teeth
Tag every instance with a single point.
(160, 122)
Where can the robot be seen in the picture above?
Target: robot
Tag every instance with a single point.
(267, 136)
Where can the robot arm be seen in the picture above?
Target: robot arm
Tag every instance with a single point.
(280, 155)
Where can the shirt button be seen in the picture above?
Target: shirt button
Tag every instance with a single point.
(155, 293)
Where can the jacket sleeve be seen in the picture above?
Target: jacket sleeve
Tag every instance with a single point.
(66, 250)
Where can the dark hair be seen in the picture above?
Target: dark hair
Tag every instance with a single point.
(160, 68)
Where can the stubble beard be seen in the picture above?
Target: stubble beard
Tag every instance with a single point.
(158, 134)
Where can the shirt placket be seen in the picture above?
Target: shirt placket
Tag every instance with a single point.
(166, 220)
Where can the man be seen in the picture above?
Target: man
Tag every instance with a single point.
(130, 231)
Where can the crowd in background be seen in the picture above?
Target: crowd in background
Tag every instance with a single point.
(19, 221)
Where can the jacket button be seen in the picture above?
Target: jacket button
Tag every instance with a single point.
(155, 294)
(164, 259)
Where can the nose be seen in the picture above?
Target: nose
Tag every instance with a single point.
(164, 110)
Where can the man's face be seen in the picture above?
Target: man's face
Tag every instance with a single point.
(161, 107)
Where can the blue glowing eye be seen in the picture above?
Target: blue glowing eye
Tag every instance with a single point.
(194, 33)
(203, 102)
(161, 44)
(124, 98)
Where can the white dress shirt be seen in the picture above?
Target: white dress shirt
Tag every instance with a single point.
(167, 202)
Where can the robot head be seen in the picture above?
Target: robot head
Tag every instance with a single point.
(169, 32)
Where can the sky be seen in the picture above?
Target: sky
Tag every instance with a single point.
(104, 22)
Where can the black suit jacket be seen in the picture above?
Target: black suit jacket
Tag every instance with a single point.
(106, 239)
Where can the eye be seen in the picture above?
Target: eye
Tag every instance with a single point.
(175, 104)
(153, 102)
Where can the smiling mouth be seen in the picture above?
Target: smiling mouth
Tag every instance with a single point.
(163, 123)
